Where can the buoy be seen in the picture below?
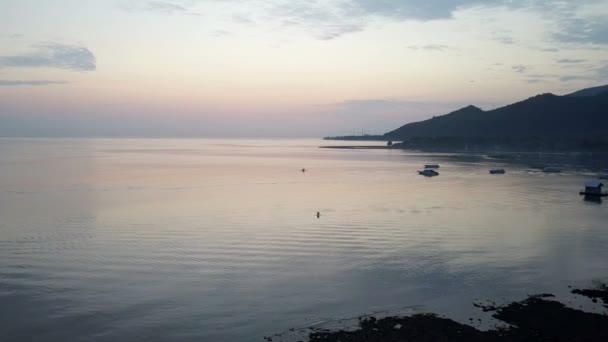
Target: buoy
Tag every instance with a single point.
(318, 214)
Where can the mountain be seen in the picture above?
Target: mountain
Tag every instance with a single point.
(577, 116)
(590, 91)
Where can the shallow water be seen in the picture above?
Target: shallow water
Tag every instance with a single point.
(217, 240)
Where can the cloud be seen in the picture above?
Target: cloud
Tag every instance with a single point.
(331, 19)
(169, 7)
(576, 78)
(11, 36)
(220, 33)
(163, 6)
(570, 61)
(578, 30)
(519, 68)
(541, 78)
(329, 32)
(431, 47)
(16, 83)
(53, 55)
(422, 10)
(508, 40)
(602, 73)
(598, 75)
(324, 20)
(354, 15)
(543, 75)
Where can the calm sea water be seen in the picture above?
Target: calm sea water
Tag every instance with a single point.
(217, 240)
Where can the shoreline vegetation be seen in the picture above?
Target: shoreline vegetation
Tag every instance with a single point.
(537, 318)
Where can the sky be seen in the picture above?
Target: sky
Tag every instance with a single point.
(283, 68)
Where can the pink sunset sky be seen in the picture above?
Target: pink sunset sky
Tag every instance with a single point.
(275, 68)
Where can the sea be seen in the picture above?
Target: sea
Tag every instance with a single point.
(219, 239)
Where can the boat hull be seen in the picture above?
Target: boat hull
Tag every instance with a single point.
(428, 173)
(603, 194)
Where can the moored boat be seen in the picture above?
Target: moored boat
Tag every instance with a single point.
(428, 173)
(497, 171)
(593, 188)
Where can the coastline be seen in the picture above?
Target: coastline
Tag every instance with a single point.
(539, 317)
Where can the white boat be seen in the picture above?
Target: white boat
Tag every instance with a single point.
(549, 169)
(431, 166)
(497, 171)
(428, 173)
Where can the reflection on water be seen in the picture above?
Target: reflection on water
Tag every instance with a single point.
(218, 240)
(593, 199)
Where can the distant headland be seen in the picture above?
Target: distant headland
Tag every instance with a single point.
(577, 121)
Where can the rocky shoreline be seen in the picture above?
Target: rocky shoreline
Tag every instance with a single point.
(537, 318)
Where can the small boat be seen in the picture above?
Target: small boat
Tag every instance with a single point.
(593, 188)
(497, 171)
(428, 173)
(550, 169)
(603, 176)
(431, 166)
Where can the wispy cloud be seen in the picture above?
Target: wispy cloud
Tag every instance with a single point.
(11, 35)
(598, 74)
(431, 47)
(541, 78)
(331, 19)
(576, 78)
(519, 68)
(543, 75)
(422, 10)
(586, 31)
(508, 40)
(177, 7)
(602, 72)
(53, 55)
(324, 20)
(220, 33)
(164, 6)
(570, 61)
(17, 83)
